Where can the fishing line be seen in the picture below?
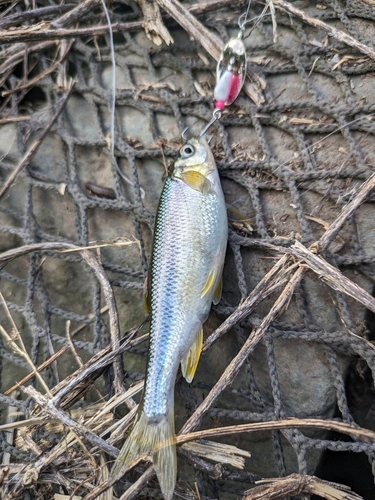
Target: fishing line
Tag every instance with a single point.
(247, 11)
(258, 19)
(112, 107)
(113, 62)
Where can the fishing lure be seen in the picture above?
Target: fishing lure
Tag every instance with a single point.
(230, 73)
(188, 254)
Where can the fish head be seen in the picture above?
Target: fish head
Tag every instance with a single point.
(195, 164)
(194, 155)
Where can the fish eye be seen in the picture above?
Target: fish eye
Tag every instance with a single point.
(187, 151)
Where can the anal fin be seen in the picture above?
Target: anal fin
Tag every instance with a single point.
(190, 361)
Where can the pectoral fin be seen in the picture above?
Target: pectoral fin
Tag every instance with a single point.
(197, 181)
(190, 361)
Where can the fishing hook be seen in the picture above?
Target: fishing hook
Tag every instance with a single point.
(216, 115)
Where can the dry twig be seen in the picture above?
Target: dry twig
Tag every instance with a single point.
(290, 423)
(153, 23)
(296, 484)
(53, 358)
(56, 30)
(20, 349)
(327, 28)
(332, 276)
(44, 74)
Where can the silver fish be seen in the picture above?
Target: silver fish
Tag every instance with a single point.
(189, 247)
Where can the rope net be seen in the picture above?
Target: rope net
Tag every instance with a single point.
(296, 160)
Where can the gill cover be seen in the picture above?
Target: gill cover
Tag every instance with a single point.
(193, 165)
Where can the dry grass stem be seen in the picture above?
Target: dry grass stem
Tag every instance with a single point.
(104, 476)
(346, 213)
(20, 349)
(57, 496)
(327, 28)
(75, 14)
(79, 382)
(47, 406)
(13, 119)
(56, 30)
(297, 484)
(120, 242)
(53, 358)
(16, 54)
(96, 265)
(332, 276)
(71, 345)
(290, 423)
(25, 423)
(20, 17)
(153, 23)
(9, 434)
(218, 452)
(34, 81)
(135, 489)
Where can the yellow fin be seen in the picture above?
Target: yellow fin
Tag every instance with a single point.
(218, 291)
(147, 295)
(197, 181)
(209, 283)
(156, 439)
(190, 361)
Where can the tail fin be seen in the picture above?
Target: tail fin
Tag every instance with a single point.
(156, 439)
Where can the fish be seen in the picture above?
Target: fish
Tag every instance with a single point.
(185, 278)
